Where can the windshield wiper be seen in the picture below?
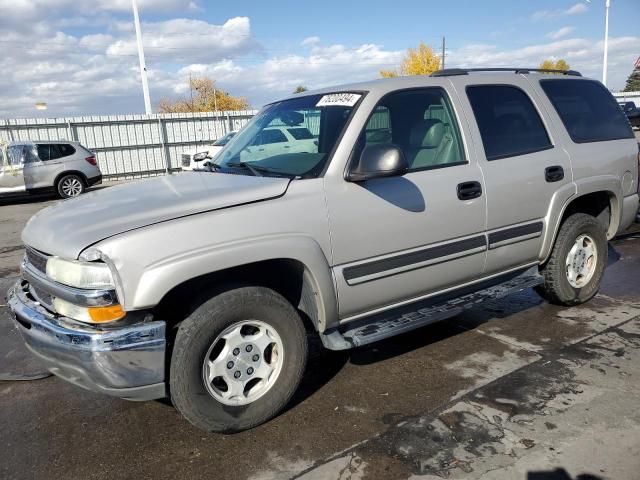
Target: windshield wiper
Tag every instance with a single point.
(255, 170)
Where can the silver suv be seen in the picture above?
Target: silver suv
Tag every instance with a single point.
(421, 197)
(66, 168)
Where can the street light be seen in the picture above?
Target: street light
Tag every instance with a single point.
(143, 66)
(607, 5)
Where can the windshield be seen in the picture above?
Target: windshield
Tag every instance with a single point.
(290, 138)
(221, 142)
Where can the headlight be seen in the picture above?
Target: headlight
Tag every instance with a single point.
(88, 275)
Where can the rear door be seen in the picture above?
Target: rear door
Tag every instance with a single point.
(524, 166)
(48, 164)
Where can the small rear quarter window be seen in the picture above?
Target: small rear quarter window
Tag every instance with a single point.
(587, 110)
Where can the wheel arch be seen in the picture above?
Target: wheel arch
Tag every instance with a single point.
(295, 268)
(600, 198)
(82, 176)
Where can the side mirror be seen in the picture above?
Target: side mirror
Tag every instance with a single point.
(379, 160)
(198, 157)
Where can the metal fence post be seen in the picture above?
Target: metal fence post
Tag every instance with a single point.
(70, 131)
(163, 143)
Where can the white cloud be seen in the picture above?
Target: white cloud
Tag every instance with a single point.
(582, 54)
(576, 9)
(561, 32)
(310, 41)
(190, 41)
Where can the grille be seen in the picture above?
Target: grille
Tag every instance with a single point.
(45, 299)
(37, 259)
(186, 160)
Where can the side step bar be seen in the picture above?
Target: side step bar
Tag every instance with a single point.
(403, 319)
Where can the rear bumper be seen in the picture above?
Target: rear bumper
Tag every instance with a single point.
(629, 212)
(94, 181)
(126, 362)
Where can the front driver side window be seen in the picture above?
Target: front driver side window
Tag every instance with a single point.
(422, 123)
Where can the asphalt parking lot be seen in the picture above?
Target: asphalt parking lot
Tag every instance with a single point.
(513, 389)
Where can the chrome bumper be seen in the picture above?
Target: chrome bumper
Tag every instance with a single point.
(126, 362)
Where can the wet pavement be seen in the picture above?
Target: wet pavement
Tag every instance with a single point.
(515, 388)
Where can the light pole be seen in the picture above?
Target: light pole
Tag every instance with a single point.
(607, 5)
(143, 66)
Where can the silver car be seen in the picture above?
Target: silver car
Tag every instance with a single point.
(65, 167)
(422, 197)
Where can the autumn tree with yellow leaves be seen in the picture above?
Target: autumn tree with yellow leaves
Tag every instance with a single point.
(549, 64)
(204, 97)
(417, 61)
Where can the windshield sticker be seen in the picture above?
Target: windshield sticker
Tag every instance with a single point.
(339, 99)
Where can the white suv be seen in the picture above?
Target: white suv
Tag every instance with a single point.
(188, 158)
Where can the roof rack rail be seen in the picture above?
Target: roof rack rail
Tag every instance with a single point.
(447, 72)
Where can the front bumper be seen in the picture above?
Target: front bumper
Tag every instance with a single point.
(126, 362)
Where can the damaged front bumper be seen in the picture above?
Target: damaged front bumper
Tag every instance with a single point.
(126, 361)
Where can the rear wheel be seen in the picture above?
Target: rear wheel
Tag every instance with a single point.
(237, 360)
(70, 186)
(576, 265)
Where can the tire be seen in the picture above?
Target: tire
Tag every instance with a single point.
(558, 288)
(200, 332)
(70, 186)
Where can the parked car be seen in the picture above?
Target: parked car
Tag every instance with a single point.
(66, 168)
(632, 112)
(196, 158)
(421, 197)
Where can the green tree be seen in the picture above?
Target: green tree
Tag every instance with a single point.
(549, 64)
(633, 82)
(417, 61)
(300, 89)
(204, 97)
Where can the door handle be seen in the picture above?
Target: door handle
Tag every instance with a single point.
(469, 190)
(554, 174)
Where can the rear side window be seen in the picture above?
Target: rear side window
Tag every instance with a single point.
(509, 123)
(65, 150)
(53, 151)
(589, 112)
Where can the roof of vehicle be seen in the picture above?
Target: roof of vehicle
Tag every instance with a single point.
(381, 85)
(50, 142)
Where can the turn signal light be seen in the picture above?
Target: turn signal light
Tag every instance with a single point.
(106, 314)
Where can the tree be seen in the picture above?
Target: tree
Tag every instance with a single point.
(300, 89)
(559, 64)
(204, 97)
(417, 61)
(633, 82)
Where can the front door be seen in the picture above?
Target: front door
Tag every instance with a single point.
(399, 238)
(11, 169)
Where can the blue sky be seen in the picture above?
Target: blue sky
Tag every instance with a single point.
(80, 57)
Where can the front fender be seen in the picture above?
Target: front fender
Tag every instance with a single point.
(161, 277)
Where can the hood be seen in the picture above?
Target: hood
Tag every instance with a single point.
(70, 226)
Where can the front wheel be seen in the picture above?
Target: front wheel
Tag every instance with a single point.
(237, 360)
(576, 265)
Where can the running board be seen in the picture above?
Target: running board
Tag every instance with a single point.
(403, 319)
